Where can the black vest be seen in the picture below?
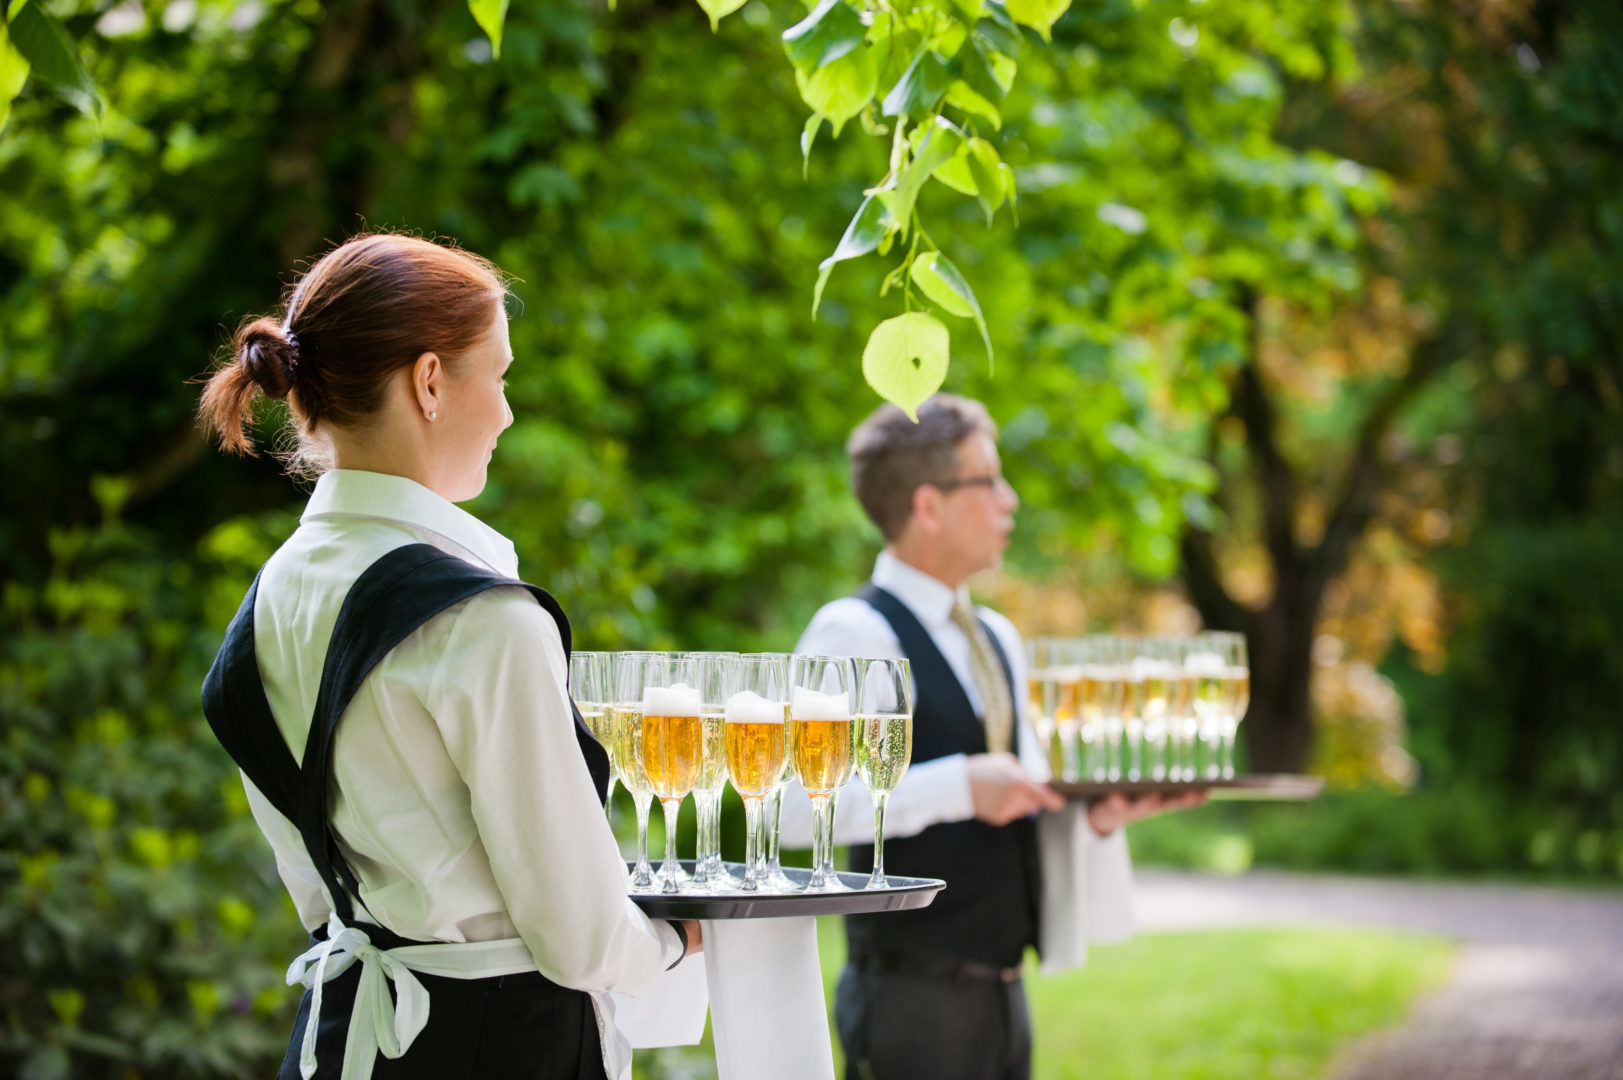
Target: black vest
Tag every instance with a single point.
(988, 911)
(396, 595)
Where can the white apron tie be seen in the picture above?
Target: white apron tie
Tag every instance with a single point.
(376, 1022)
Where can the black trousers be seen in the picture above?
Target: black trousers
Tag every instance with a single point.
(515, 1027)
(908, 1027)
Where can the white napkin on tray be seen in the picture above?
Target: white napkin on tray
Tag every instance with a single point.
(1087, 888)
(767, 1013)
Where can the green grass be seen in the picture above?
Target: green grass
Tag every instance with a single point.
(1242, 1004)
(1214, 1005)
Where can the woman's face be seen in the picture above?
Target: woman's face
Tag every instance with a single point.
(474, 412)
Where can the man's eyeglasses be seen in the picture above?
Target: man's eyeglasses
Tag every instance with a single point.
(991, 480)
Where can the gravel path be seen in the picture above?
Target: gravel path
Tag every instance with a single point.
(1536, 992)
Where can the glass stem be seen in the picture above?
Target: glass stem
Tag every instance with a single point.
(880, 798)
(819, 823)
(774, 810)
(643, 876)
(752, 842)
(668, 872)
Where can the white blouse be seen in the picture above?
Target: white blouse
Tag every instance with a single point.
(458, 791)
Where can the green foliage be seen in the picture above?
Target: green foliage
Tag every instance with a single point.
(143, 930)
(39, 44)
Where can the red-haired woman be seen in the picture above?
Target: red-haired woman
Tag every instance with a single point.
(397, 700)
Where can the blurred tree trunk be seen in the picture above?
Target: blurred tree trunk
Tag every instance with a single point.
(1278, 729)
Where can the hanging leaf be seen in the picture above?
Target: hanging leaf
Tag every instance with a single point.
(921, 86)
(939, 142)
(808, 136)
(491, 15)
(13, 74)
(1040, 15)
(984, 163)
(967, 10)
(720, 9)
(842, 89)
(974, 65)
(865, 232)
(998, 30)
(905, 360)
(52, 57)
(828, 33)
(944, 284)
(960, 96)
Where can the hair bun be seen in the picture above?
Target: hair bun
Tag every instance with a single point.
(270, 357)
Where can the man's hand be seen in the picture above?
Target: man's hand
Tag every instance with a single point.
(695, 932)
(1003, 791)
(1110, 813)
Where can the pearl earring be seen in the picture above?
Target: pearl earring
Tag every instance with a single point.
(435, 415)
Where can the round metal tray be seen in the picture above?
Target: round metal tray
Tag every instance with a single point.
(904, 893)
(1262, 786)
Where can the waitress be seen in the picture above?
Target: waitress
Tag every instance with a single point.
(397, 701)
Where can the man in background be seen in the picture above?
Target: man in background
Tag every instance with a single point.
(937, 992)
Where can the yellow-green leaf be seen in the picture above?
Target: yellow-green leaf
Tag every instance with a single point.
(720, 9)
(905, 360)
(842, 89)
(1040, 15)
(946, 287)
(13, 73)
(490, 15)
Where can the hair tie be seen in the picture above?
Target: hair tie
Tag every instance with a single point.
(292, 343)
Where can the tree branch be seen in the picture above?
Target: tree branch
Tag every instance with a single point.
(1367, 472)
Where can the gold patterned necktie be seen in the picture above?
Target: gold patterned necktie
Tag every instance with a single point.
(996, 706)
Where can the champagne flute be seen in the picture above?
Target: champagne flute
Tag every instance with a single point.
(773, 876)
(884, 741)
(1182, 726)
(1092, 702)
(625, 733)
(1040, 690)
(820, 745)
(714, 671)
(1135, 705)
(1117, 702)
(1067, 674)
(1237, 698)
(672, 745)
(1207, 674)
(755, 718)
(592, 692)
(1154, 669)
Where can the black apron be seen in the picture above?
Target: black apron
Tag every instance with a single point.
(510, 1026)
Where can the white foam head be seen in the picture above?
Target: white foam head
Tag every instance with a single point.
(813, 705)
(678, 700)
(1205, 665)
(748, 707)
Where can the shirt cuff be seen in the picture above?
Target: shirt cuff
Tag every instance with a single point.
(681, 933)
(937, 792)
(675, 940)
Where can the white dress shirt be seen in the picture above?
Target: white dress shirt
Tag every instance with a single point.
(937, 791)
(457, 791)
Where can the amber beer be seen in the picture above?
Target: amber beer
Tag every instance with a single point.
(820, 740)
(754, 738)
(672, 739)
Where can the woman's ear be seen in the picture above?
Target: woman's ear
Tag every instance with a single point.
(427, 382)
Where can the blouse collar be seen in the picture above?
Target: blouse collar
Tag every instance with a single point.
(353, 493)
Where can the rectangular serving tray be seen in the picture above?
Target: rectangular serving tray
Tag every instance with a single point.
(1279, 787)
(904, 893)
